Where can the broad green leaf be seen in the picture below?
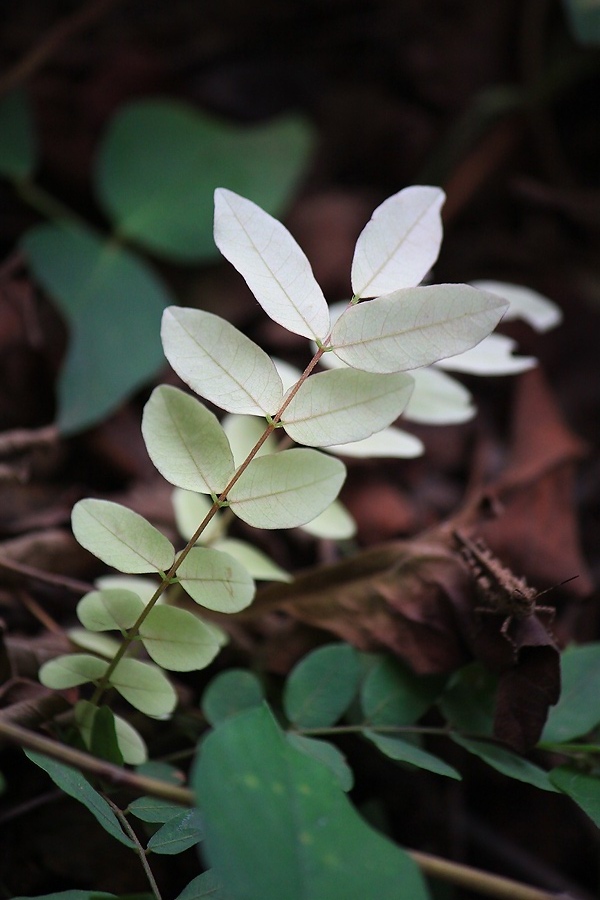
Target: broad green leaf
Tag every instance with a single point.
(403, 751)
(305, 840)
(178, 640)
(93, 642)
(145, 588)
(257, 563)
(103, 736)
(492, 356)
(581, 787)
(144, 686)
(185, 441)
(334, 523)
(243, 433)
(71, 670)
(326, 753)
(469, 700)
(415, 327)
(154, 809)
(178, 834)
(161, 161)
(578, 709)
(121, 537)
(113, 302)
(345, 405)
(438, 399)
(535, 309)
(190, 510)
(229, 693)
(216, 580)
(109, 610)
(75, 785)
(507, 763)
(399, 245)
(162, 771)
(392, 694)
(287, 489)
(18, 151)
(391, 443)
(272, 264)
(320, 688)
(204, 886)
(131, 743)
(219, 362)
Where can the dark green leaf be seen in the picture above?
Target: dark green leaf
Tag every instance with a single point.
(229, 693)
(72, 895)
(507, 763)
(582, 788)
(178, 834)
(578, 709)
(161, 162)
(75, 785)
(278, 825)
(468, 700)
(154, 809)
(162, 771)
(17, 142)
(393, 695)
(113, 303)
(584, 17)
(104, 741)
(205, 885)
(326, 753)
(403, 751)
(321, 686)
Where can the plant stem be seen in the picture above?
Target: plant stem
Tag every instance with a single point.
(140, 850)
(44, 203)
(380, 729)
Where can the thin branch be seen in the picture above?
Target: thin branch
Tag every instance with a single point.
(70, 584)
(140, 850)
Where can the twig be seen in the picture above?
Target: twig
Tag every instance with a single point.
(70, 584)
(140, 850)
(24, 439)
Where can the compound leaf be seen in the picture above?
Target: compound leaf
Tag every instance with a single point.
(438, 399)
(272, 264)
(344, 405)
(72, 670)
(219, 362)
(243, 432)
(185, 441)
(403, 751)
(154, 810)
(190, 510)
(204, 886)
(507, 763)
(334, 523)
(415, 327)
(109, 610)
(216, 580)
(391, 443)
(179, 833)
(535, 309)
(121, 537)
(257, 563)
(321, 686)
(392, 694)
(287, 489)
(492, 356)
(178, 640)
(400, 243)
(229, 693)
(130, 743)
(144, 686)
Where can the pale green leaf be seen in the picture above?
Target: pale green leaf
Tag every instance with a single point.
(178, 834)
(400, 243)
(178, 640)
(581, 787)
(219, 362)
(93, 642)
(18, 149)
(334, 523)
(287, 489)
(144, 686)
(391, 443)
(493, 356)
(257, 563)
(415, 327)
(131, 744)
(305, 840)
(345, 405)
(392, 694)
(438, 399)
(578, 709)
(229, 693)
(403, 751)
(272, 264)
(243, 432)
(145, 588)
(506, 762)
(154, 810)
(326, 753)
(535, 309)
(121, 537)
(289, 374)
(185, 441)
(216, 580)
(76, 785)
(321, 686)
(109, 610)
(71, 670)
(190, 510)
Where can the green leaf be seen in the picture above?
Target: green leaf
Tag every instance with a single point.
(103, 742)
(272, 264)
(162, 771)
(286, 489)
(391, 443)
(403, 751)
(205, 885)
(109, 610)
(73, 895)
(121, 537)
(18, 151)
(492, 356)
(399, 245)
(584, 789)
(344, 405)
(219, 362)
(578, 709)
(154, 809)
(75, 785)
(535, 309)
(216, 580)
(321, 687)
(438, 399)
(185, 441)
(507, 763)
(145, 687)
(469, 699)
(145, 588)
(305, 839)
(334, 523)
(415, 327)
(178, 834)
(243, 432)
(113, 303)
(178, 640)
(190, 509)
(229, 693)
(392, 694)
(325, 753)
(71, 670)
(130, 742)
(257, 563)
(161, 161)
(92, 642)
